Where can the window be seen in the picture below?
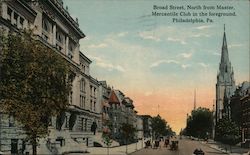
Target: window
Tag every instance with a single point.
(82, 85)
(82, 124)
(70, 97)
(59, 36)
(86, 124)
(90, 90)
(94, 92)
(66, 122)
(21, 22)
(15, 18)
(94, 105)
(46, 25)
(82, 101)
(71, 50)
(9, 12)
(47, 28)
(11, 121)
(91, 104)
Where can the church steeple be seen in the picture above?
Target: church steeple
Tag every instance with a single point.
(224, 51)
(225, 85)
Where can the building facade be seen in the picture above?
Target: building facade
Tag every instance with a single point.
(245, 128)
(147, 126)
(121, 112)
(105, 92)
(54, 27)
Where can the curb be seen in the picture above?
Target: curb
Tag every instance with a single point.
(221, 150)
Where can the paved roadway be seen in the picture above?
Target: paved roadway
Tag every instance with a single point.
(186, 147)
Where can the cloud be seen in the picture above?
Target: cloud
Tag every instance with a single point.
(186, 55)
(157, 63)
(101, 45)
(184, 66)
(149, 35)
(110, 67)
(122, 34)
(106, 65)
(216, 53)
(235, 45)
(203, 64)
(95, 58)
(203, 27)
(182, 41)
(199, 35)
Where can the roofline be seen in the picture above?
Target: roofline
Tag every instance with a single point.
(69, 19)
(85, 57)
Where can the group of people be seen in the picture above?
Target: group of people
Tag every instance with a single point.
(160, 143)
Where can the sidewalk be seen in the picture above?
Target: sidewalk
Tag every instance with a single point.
(233, 150)
(120, 150)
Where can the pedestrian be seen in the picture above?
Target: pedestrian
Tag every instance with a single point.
(161, 143)
(94, 127)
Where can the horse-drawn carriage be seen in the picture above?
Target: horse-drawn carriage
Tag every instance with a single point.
(174, 145)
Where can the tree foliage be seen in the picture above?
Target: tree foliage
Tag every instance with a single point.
(33, 83)
(199, 124)
(227, 131)
(128, 132)
(160, 127)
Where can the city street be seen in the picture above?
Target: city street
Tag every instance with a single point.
(186, 147)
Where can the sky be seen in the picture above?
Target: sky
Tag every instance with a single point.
(158, 63)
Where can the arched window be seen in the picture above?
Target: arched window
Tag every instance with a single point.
(46, 26)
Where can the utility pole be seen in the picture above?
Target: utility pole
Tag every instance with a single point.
(158, 109)
(194, 99)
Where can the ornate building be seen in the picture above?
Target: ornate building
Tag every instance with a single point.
(245, 128)
(225, 85)
(55, 28)
(121, 112)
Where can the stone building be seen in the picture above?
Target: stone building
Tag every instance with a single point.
(225, 85)
(105, 92)
(121, 112)
(245, 128)
(147, 125)
(235, 113)
(139, 128)
(55, 28)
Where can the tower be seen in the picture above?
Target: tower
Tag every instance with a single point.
(225, 85)
(194, 99)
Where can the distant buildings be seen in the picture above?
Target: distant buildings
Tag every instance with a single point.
(147, 126)
(91, 101)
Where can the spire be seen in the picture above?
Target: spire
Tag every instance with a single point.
(194, 99)
(224, 51)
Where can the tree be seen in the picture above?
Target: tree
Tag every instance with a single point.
(227, 132)
(34, 83)
(106, 136)
(129, 132)
(199, 124)
(160, 127)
